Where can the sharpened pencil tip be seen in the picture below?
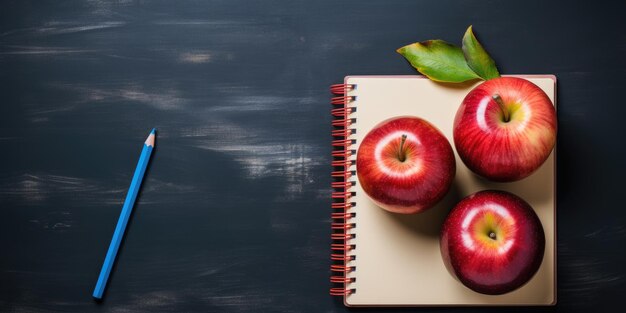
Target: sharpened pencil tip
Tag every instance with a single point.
(150, 139)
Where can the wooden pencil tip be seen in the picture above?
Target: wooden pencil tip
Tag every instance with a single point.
(150, 139)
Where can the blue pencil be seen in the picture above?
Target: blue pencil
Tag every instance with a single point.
(125, 215)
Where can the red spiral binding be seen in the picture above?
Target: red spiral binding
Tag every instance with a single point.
(341, 268)
(341, 89)
(339, 163)
(340, 291)
(346, 122)
(340, 215)
(342, 142)
(341, 132)
(342, 205)
(342, 225)
(342, 174)
(342, 153)
(341, 279)
(341, 195)
(341, 184)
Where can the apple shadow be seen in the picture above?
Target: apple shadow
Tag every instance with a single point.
(429, 222)
(535, 188)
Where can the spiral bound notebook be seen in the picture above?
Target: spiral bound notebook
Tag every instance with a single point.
(386, 259)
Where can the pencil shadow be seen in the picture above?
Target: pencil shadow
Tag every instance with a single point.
(429, 223)
(129, 224)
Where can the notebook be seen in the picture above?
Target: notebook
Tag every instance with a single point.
(386, 259)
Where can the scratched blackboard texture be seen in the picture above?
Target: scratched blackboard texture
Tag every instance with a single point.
(234, 212)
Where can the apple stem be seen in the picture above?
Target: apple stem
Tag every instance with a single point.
(401, 155)
(492, 235)
(500, 103)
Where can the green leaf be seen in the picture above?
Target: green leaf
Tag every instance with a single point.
(477, 58)
(439, 61)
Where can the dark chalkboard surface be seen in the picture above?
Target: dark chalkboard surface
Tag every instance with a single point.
(234, 211)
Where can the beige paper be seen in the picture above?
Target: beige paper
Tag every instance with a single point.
(398, 262)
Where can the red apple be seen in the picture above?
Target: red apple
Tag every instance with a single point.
(405, 165)
(493, 242)
(505, 129)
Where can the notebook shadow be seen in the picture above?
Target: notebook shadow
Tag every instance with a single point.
(429, 222)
